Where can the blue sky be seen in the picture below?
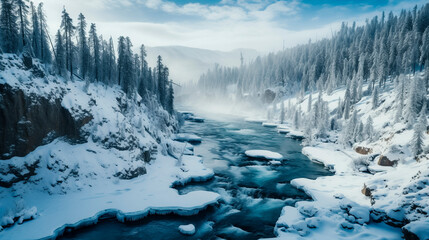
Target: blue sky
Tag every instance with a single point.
(222, 24)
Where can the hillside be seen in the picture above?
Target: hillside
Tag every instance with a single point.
(378, 182)
(73, 152)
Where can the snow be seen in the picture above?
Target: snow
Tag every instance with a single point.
(269, 155)
(187, 229)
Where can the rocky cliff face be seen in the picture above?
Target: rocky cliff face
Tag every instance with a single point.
(28, 121)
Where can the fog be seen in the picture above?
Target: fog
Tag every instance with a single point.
(187, 64)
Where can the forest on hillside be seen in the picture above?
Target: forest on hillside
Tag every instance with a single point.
(80, 53)
(381, 49)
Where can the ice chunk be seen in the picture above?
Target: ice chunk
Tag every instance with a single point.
(187, 137)
(187, 229)
(269, 124)
(263, 154)
(295, 134)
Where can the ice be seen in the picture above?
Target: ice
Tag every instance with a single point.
(295, 134)
(187, 137)
(187, 229)
(269, 124)
(265, 154)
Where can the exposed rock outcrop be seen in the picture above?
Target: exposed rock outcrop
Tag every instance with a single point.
(28, 121)
(385, 161)
(363, 150)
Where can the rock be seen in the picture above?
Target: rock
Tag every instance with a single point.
(268, 96)
(385, 161)
(366, 191)
(363, 150)
(131, 173)
(27, 60)
(28, 121)
(409, 235)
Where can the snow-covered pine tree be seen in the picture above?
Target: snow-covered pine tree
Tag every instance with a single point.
(160, 78)
(94, 49)
(347, 104)
(418, 135)
(369, 129)
(400, 97)
(68, 30)
(83, 50)
(375, 98)
(282, 112)
(170, 98)
(339, 109)
(60, 64)
(296, 119)
(35, 31)
(310, 100)
(45, 51)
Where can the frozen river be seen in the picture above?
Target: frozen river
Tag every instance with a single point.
(253, 191)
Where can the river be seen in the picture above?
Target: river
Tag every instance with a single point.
(253, 191)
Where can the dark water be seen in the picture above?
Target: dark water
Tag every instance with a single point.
(253, 191)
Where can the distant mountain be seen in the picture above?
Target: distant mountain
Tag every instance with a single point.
(187, 64)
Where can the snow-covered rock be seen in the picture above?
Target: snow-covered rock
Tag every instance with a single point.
(188, 229)
(264, 154)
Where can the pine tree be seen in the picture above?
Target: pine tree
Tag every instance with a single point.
(369, 129)
(400, 97)
(347, 104)
(35, 34)
(310, 102)
(22, 8)
(170, 98)
(8, 27)
(68, 30)
(282, 112)
(296, 119)
(375, 98)
(45, 52)
(83, 47)
(418, 136)
(94, 48)
(60, 54)
(161, 84)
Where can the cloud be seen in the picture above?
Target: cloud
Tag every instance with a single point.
(228, 24)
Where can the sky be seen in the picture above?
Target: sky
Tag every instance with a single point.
(263, 25)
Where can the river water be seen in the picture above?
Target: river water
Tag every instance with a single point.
(253, 191)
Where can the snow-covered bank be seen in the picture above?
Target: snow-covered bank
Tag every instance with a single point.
(128, 200)
(379, 190)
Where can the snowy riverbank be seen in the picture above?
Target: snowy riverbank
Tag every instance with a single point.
(379, 191)
(128, 200)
